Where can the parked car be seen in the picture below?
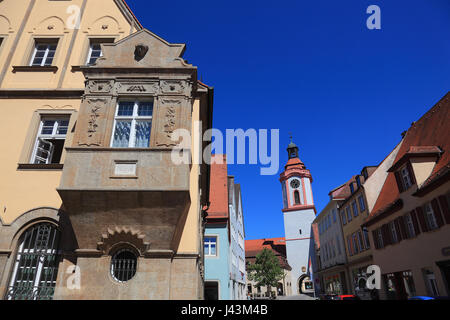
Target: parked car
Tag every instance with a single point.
(346, 297)
(327, 296)
(429, 298)
(421, 298)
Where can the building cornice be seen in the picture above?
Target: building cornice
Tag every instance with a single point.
(41, 94)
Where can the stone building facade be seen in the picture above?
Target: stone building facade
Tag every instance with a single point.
(95, 206)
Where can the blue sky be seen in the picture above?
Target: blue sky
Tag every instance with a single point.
(314, 69)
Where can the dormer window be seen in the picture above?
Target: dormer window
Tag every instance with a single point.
(365, 173)
(352, 188)
(358, 181)
(405, 177)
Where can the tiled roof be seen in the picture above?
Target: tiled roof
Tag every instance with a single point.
(430, 131)
(343, 191)
(218, 188)
(277, 245)
(133, 15)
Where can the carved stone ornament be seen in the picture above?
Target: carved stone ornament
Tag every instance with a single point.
(121, 236)
(93, 136)
(137, 88)
(173, 86)
(168, 125)
(99, 86)
(140, 51)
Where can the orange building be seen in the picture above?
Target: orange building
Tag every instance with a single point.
(409, 226)
(278, 247)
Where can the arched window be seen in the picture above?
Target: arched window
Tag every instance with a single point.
(297, 197)
(36, 264)
(123, 265)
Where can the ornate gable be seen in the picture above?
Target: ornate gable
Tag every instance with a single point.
(142, 49)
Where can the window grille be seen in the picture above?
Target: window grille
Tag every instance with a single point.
(36, 264)
(123, 265)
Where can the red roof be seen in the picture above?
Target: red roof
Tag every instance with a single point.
(424, 136)
(132, 13)
(276, 245)
(218, 188)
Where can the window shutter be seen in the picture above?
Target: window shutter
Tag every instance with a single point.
(399, 181)
(385, 235)
(375, 239)
(397, 229)
(422, 221)
(349, 241)
(445, 210)
(411, 173)
(415, 222)
(437, 213)
(402, 225)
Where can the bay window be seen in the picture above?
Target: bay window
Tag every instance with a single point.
(132, 124)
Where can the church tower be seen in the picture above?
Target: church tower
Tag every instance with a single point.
(299, 212)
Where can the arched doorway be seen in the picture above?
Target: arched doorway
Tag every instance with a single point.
(280, 290)
(305, 285)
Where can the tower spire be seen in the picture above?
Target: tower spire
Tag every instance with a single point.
(292, 149)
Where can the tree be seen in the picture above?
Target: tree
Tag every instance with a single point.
(266, 270)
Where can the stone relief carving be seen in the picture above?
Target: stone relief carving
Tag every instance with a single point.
(137, 87)
(140, 51)
(173, 86)
(92, 127)
(93, 136)
(169, 123)
(122, 235)
(96, 86)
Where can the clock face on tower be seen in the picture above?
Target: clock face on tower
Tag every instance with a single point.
(295, 183)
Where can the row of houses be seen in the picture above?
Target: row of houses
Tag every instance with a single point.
(395, 216)
(224, 244)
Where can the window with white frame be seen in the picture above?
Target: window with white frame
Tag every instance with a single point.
(406, 179)
(95, 50)
(43, 52)
(132, 124)
(410, 226)
(431, 219)
(210, 246)
(50, 139)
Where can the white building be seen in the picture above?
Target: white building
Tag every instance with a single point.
(237, 247)
(299, 212)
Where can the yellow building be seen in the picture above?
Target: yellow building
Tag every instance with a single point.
(364, 190)
(88, 191)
